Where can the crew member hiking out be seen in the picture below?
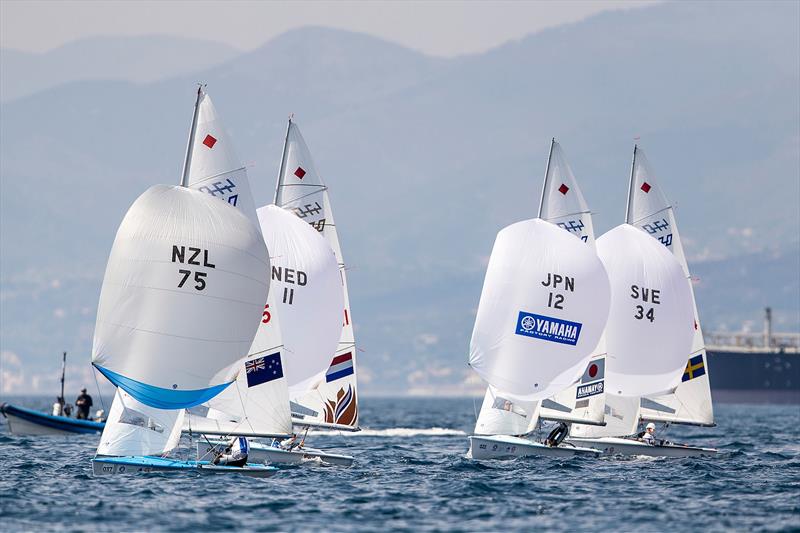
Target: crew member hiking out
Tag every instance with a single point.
(235, 453)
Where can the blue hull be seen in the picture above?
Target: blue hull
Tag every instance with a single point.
(143, 464)
(23, 421)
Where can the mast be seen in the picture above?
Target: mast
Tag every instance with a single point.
(283, 160)
(187, 162)
(546, 176)
(63, 371)
(628, 214)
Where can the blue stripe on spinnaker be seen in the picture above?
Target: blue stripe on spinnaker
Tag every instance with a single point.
(158, 397)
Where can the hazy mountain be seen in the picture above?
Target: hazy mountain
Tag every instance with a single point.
(427, 159)
(138, 59)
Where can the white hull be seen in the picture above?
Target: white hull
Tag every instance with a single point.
(506, 447)
(623, 446)
(265, 454)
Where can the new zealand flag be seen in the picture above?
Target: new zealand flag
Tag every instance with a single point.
(264, 369)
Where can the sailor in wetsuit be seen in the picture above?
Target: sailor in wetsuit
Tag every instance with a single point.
(649, 436)
(235, 453)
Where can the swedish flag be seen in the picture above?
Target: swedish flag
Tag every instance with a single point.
(695, 368)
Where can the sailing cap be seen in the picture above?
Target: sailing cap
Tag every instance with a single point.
(650, 426)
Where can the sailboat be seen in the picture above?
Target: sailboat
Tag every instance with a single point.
(539, 323)
(689, 402)
(185, 285)
(328, 398)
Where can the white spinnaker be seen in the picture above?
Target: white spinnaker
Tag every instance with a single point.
(307, 295)
(301, 190)
(650, 326)
(503, 415)
(650, 210)
(185, 286)
(542, 310)
(133, 428)
(257, 407)
(213, 167)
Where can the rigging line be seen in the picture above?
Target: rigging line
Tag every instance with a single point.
(284, 206)
(99, 394)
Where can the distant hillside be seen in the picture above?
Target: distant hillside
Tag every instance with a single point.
(138, 59)
(426, 160)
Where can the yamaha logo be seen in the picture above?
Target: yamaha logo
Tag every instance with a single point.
(528, 323)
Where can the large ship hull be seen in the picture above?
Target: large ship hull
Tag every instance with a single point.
(748, 375)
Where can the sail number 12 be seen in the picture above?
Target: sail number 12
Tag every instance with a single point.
(189, 255)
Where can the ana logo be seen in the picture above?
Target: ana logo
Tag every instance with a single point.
(592, 389)
(548, 328)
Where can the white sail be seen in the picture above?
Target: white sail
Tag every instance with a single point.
(184, 288)
(562, 201)
(650, 210)
(212, 166)
(301, 190)
(307, 295)
(502, 415)
(650, 325)
(584, 401)
(258, 401)
(621, 419)
(133, 428)
(542, 310)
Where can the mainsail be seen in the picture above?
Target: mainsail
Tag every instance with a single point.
(211, 165)
(300, 189)
(183, 291)
(650, 210)
(542, 310)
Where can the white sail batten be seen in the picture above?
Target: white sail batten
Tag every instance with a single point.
(184, 288)
(212, 165)
(542, 310)
(133, 428)
(308, 296)
(300, 190)
(650, 326)
(650, 210)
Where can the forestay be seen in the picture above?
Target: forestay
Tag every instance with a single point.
(185, 286)
(212, 166)
(133, 428)
(650, 325)
(301, 190)
(542, 310)
(650, 210)
(307, 295)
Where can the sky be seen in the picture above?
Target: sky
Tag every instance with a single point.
(447, 29)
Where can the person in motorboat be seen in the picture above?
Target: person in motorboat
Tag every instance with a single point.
(84, 404)
(649, 435)
(58, 407)
(235, 453)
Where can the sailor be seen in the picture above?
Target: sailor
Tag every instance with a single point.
(84, 404)
(289, 443)
(649, 436)
(235, 453)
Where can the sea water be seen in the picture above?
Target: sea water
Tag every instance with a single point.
(411, 473)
